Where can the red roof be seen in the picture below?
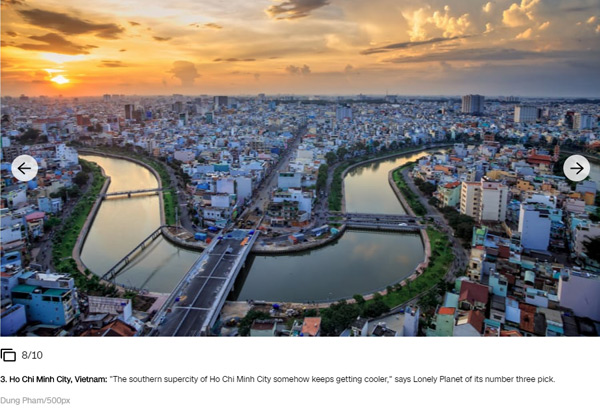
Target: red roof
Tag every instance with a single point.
(451, 185)
(446, 311)
(311, 326)
(473, 292)
(475, 318)
(35, 215)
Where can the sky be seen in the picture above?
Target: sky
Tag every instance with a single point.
(336, 47)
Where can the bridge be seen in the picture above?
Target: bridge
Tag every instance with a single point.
(129, 193)
(112, 273)
(196, 303)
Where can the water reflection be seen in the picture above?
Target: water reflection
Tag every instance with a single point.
(121, 223)
(357, 263)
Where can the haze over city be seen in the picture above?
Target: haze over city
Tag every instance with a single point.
(449, 47)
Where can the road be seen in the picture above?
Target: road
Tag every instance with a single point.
(262, 193)
(461, 257)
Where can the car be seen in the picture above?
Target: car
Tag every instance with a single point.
(402, 224)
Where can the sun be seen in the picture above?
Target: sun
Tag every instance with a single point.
(59, 79)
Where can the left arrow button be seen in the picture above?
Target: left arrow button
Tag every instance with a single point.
(24, 168)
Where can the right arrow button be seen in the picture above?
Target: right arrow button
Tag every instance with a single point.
(576, 168)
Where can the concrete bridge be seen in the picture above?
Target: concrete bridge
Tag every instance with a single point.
(129, 193)
(196, 303)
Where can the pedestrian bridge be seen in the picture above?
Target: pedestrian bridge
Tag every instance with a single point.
(129, 193)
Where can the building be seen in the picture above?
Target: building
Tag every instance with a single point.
(342, 112)
(311, 326)
(583, 122)
(287, 180)
(129, 109)
(443, 324)
(535, 226)
(221, 101)
(580, 292)
(262, 328)
(50, 306)
(470, 199)
(472, 103)
(484, 200)
(526, 113)
(449, 194)
(12, 320)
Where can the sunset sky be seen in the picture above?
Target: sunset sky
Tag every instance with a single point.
(449, 47)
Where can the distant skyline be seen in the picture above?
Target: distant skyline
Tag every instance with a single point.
(541, 48)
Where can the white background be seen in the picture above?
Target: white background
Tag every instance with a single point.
(573, 362)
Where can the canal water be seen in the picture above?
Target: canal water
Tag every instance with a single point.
(359, 262)
(122, 223)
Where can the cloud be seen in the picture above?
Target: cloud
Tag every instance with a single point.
(295, 70)
(185, 71)
(233, 60)
(484, 54)
(294, 9)
(519, 15)
(487, 7)
(134, 23)
(421, 23)
(11, 33)
(406, 44)
(67, 24)
(591, 20)
(122, 50)
(544, 25)
(524, 35)
(55, 44)
(157, 38)
(213, 26)
(112, 64)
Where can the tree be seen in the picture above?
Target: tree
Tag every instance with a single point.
(330, 157)
(81, 178)
(338, 317)
(250, 317)
(592, 248)
(359, 299)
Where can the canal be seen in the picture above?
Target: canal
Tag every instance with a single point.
(359, 262)
(121, 223)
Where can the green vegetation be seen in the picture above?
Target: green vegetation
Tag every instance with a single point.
(462, 224)
(592, 248)
(335, 192)
(340, 315)
(250, 317)
(410, 197)
(64, 240)
(322, 177)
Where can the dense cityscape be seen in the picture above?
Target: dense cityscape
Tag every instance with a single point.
(300, 168)
(502, 242)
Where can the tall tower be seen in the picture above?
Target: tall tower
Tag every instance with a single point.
(473, 103)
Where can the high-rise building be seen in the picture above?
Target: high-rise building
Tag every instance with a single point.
(484, 200)
(534, 226)
(128, 111)
(343, 111)
(221, 101)
(583, 121)
(472, 103)
(526, 113)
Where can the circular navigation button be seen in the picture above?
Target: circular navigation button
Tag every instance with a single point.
(24, 168)
(576, 168)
